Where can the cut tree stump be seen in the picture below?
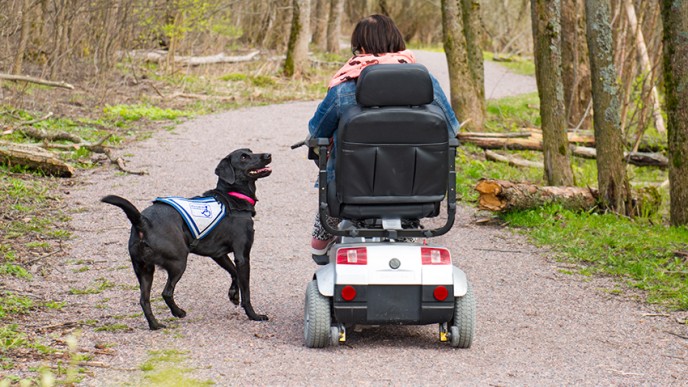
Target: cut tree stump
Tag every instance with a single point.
(35, 158)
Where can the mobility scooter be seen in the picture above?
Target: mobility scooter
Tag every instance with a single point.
(394, 167)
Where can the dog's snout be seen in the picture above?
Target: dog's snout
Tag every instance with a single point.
(267, 156)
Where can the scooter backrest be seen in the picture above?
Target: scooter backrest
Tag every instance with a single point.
(392, 152)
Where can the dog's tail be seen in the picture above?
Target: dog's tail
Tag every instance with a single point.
(129, 209)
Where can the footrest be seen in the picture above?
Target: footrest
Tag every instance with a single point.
(321, 259)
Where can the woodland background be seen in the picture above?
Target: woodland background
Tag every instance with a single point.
(82, 79)
(609, 50)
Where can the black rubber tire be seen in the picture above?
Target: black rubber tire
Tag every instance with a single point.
(464, 320)
(317, 318)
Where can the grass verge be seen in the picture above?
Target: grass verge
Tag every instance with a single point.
(645, 256)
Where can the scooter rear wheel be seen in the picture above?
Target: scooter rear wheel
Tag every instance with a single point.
(317, 318)
(463, 326)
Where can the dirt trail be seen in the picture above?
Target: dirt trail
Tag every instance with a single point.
(535, 325)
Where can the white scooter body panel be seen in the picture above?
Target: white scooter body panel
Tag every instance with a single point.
(379, 269)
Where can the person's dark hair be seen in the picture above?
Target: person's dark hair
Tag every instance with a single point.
(376, 34)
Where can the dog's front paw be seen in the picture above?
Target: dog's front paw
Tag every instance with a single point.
(179, 312)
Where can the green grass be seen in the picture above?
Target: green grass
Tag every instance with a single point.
(11, 303)
(141, 111)
(643, 255)
(164, 368)
(515, 63)
(113, 328)
(513, 113)
(12, 338)
(101, 285)
(13, 270)
(471, 166)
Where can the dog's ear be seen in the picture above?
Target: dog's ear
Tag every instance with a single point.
(225, 170)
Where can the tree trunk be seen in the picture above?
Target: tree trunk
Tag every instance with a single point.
(334, 25)
(645, 66)
(320, 22)
(23, 37)
(575, 65)
(297, 48)
(464, 94)
(611, 170)
(546, 16)
(675, 19)
(471, 29)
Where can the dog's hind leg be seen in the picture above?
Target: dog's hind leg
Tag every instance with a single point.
(228, 265)
(144, 274)
(174, 273)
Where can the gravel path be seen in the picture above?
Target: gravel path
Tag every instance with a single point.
(535, 325)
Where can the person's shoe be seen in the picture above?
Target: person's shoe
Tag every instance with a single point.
(320, 247)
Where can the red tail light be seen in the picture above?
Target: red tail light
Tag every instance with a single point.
(440, 293)
(348, 293)
(352, 256)
(435, 256)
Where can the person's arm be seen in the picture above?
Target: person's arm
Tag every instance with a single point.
(326, 117)
(440, 99)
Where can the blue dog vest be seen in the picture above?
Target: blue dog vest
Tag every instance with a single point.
(200, 214)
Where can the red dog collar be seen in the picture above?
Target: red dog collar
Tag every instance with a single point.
(242, 196)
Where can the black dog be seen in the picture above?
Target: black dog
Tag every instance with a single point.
(160, 236)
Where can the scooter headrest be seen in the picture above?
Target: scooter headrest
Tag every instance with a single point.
(406, 84)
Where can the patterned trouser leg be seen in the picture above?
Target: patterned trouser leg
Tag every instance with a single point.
(319, 231)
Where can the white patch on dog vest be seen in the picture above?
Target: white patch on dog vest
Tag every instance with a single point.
(200, 214)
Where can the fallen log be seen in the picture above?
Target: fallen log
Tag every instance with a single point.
(641, 159)
(512, 160)
(39, 134)
(41, 159)
(24, 78)
(502, 195)
(462, 135)
(533, 136)
(504, 143)
(36, 159)
(160, 56)
(574, 137)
